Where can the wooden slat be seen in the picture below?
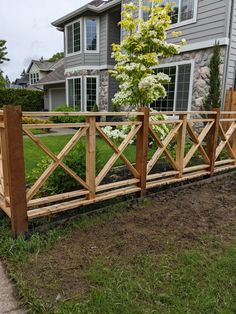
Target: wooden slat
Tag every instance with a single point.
(181, 141)
(103, 124)
(117, 154)
(57, 160)
(163, 148)
(195, 147)
(226, 137)
(56, 198)
(54, 125)
(117, 151)
(15, 169)
(142, 149)
(91, 157)
(185, 177)
(45, 211)
(195, 168)
(114, 185)
(196, 141)
(223, 162)
(161, 145)
(162, 175)
(82, 114)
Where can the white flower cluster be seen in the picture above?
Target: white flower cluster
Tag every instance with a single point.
(117, 134)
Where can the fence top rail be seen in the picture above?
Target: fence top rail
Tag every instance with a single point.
(228, 112)
(81, 114)
(177, 113)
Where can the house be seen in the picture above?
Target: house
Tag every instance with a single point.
(53, 85)
(38, 69)
(90, 30)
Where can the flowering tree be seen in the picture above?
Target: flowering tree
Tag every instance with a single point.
(138, 54)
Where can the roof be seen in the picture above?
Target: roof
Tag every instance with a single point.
(43, 65)
(23, 80)
(96, 6)
(56, 76)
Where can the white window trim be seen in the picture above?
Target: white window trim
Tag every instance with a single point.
(85, 90)
(176, 64)
(66, 43)
(98, 33)
(67, 90)
(179, 24)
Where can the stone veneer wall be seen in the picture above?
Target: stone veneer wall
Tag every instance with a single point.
(201, 60)
(103, 91)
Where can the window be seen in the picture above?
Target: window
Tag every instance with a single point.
(178, 90)
(73, 35)
(74, 93)
(34, 78)
(183, 10)
(91, 34)
(91, 92)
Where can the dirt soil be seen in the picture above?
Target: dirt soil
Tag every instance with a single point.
(177, 218)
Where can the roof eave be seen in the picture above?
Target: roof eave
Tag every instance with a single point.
(60, 22)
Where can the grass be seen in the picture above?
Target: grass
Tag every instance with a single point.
(34, 154)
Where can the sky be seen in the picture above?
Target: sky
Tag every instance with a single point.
(26, 26)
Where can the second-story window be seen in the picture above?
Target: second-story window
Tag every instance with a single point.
(73, 38)
(91, 34)
(183, 10)
(34, 78)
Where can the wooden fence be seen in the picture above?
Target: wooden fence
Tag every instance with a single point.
(190, 136)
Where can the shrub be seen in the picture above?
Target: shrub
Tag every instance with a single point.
(60, 181)
(29, 100)
(65, 119)
(29, 120)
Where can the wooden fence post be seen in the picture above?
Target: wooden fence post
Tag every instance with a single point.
(91, 156)
(15, 169)
(142, 149)
(181, 141)
(212, 139)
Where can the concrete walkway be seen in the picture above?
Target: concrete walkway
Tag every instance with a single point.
(8, 303)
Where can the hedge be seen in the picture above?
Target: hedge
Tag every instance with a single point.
(29, 100)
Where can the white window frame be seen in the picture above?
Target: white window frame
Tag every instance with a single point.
(179, 24)
(67, 90)
(176, 64)
(85, 90)
(98, 34)
(33, 78)
(66, 38)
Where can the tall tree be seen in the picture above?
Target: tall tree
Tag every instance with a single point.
(3, 51)
(2, 80)
(213, 99)
(139, 53)
(56, 57)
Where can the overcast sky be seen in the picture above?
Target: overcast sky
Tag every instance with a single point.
(26, 25)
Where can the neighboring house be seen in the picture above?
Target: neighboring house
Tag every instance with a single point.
(21, 83)
(90, 31)
(38, 69)
(53, 85)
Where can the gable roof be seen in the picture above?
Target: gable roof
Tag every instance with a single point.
(96, 6)
(43, 65)
(56, 76)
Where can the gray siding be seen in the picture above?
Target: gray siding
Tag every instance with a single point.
(211, 22)
(230, 77)
(113, 34)
(90, 59)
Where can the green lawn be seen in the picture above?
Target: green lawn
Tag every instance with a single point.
(34, 154)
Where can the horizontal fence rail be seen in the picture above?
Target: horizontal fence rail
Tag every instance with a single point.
(167, 147)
